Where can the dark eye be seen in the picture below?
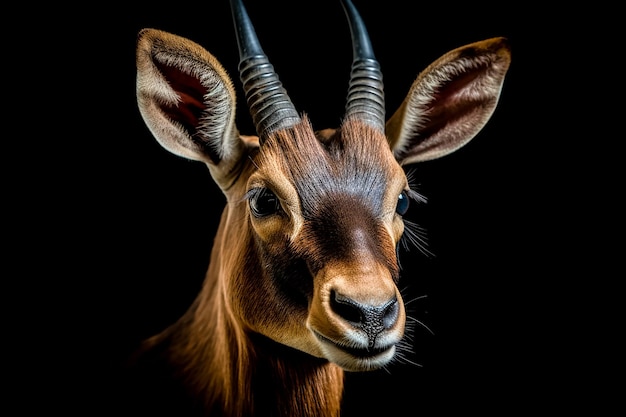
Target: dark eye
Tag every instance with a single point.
(403, 203)
(263, 202)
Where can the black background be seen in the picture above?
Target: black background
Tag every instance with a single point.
(496, 294)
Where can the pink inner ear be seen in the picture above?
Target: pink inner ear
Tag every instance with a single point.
(456, 100)
(450, 102)
(188, 110)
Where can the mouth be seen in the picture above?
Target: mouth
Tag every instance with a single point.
(354, 358)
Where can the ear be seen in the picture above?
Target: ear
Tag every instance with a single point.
(449, 102)
(187, 99)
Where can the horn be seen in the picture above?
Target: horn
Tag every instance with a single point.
(270, 107)
(366, 99)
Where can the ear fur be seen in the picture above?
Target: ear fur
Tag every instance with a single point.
(186, 98)
(449, 102)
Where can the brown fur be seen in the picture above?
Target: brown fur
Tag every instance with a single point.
(221, 359)
(287, 302)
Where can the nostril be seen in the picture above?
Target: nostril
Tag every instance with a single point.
(346, 308)
(374, 318)
(390, 314)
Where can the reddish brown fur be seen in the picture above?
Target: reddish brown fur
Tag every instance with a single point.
(221, 361)
(274, 324)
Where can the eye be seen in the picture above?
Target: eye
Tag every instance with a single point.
(403, 203)
(263, 202)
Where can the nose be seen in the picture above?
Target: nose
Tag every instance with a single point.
(372, 319)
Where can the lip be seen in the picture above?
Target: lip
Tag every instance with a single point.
(360, 353)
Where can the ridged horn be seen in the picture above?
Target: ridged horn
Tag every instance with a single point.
(270, 107)
(366, 98)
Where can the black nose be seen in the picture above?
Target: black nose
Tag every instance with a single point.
(371, 319)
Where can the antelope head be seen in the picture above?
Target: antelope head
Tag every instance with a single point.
(306, 252)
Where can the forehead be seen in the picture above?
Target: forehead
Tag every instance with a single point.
(356, 161)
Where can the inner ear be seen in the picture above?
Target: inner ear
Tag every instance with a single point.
(188, 110)
(186, 98)
(449, 102)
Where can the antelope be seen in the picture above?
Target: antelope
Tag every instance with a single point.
(302, 284)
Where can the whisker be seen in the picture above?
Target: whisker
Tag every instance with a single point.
(419, 297)
(421, 324)
(415, 235)
(386, 369)
(404, 359)
(403, 351)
